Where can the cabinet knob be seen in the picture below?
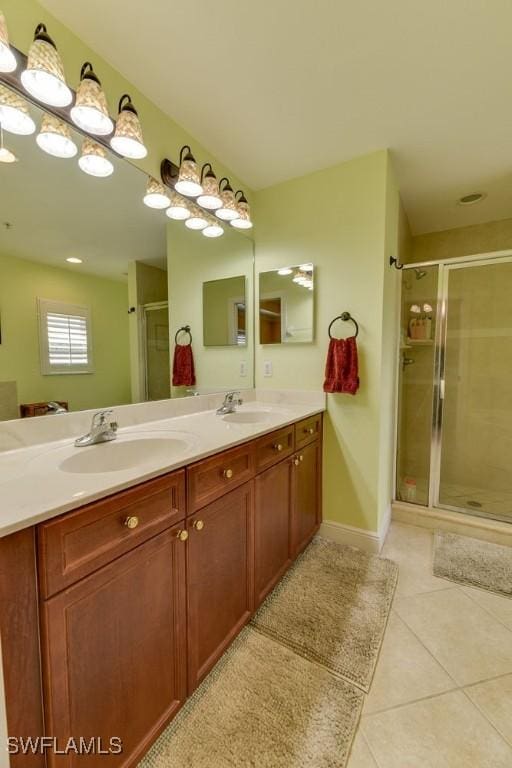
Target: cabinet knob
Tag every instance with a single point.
(228, 474)
(301, 457)
(198, 525)
(309, 431)
(182, 535)
(277, 447)
(296, 461)
(131, 522)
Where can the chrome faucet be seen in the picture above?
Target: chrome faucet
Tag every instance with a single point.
(101, 431)
(54, 407)
(231, 400)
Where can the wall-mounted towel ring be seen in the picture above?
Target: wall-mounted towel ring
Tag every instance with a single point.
(344, 316)
(183, 329)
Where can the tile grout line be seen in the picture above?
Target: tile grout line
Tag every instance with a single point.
(487, 611)
(370, 750)
(479, 709)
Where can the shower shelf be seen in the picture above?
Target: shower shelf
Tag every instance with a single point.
(419, 342)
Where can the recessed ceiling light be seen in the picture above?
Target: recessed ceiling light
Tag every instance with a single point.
(471, 199)
(74, 260)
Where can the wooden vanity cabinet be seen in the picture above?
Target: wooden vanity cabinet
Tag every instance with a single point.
(306, 495)
(220, 588)
(272, 527)
(114, 652)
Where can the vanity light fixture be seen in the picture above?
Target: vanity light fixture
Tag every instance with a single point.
(243, 219)
(156, 195)
(74, 260)
(90, 111)
(54, 138)
(44, 76)
(227, 211)
(210, 198)
(284, 271)
(179, 209)
(127, 139)
(94, 160)
(213, 229)
(8, 61)
(189, 180)
(14, 114)
(197, 219)
(6, 156)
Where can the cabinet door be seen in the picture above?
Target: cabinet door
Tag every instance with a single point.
(114, 653)
(220, 584)
(306, 495)
(272, 527)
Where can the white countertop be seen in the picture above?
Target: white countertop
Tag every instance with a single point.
(35, 486)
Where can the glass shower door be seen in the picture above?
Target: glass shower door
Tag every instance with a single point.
(475, 448)
(156, 352)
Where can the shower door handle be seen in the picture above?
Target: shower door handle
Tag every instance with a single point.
(441, 389)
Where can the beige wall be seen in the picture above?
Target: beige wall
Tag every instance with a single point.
(464, 241)
(21, 283)
(192, 260)
(343, 220)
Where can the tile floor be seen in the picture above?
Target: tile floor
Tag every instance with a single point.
(442, 692)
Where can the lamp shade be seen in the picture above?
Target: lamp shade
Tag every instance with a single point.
(179, 208)
(54, 138)
(90, 111)
(243, 219)
(94, 160)
(189, 179)
(227, 210)
(213, 229)
(127, 139)
(44, 76)
(6, 156)
(156, 195)
(210, 197)
(8, 61)
(14, 114)
(197, 219)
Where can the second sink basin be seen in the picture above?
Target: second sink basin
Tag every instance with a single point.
(253, 415)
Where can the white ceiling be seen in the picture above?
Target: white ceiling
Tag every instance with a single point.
(279, 88)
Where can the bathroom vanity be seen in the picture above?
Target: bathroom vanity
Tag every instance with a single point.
(122, 606)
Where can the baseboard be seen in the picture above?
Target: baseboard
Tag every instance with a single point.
(369, 541)
(493, 531)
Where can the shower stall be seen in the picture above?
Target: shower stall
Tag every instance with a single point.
(454, 434)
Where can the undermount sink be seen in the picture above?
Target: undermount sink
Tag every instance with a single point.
(251, 416)
(117, 456)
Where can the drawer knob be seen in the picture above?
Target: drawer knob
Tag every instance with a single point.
(309, 431)
(228, 474)
(198, 525)
(277, 447)
(131, 522)
(301, 457)
(296, 461)
(182, 535)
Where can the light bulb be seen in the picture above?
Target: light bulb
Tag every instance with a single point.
(284, 271)
(14, 114)
(156, 195)
(178, 209)
(213, 230)
(8, 61)
(44, 76)
(197, 220)
(127, 140)
(188, 183)
(54, 138)
(94, 161)
(90, 112)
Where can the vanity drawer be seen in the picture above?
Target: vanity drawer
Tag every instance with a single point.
(211, 478)
(76, 544)
(272, 448)
(308, 430)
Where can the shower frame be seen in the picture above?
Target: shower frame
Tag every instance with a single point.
(445, 266)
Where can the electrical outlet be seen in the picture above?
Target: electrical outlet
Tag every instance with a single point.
(267, 368)
(243, 368)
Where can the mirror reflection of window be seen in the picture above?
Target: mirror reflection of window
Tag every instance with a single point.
(286, 305)
(224, 312)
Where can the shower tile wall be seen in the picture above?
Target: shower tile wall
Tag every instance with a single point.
(419, 288)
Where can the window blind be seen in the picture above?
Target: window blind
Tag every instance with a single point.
(67, 339)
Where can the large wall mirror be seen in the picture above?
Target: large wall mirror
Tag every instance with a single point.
(86, 287)
(286, 305)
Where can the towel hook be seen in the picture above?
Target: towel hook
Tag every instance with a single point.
(183, 329)
(344, 316)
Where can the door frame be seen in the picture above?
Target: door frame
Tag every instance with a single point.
(444, 268)
(151, 307)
